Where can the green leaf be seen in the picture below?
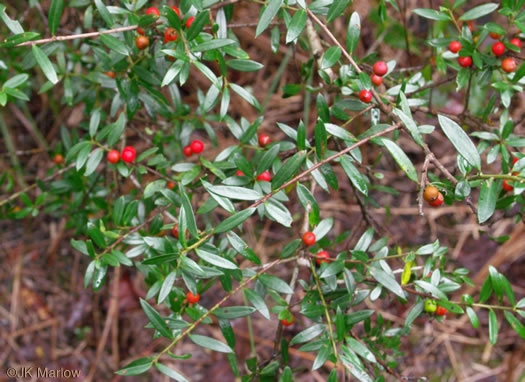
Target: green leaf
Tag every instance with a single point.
(488, 197)
(278, 212)
(309, 203)
(94, 122)
(210, 343)
(353, 32)
(357, 179)
(361, 349)
(473, 317)
(332, 269)
(114, 44)
(171, 373)
(83, 156)
(451, 307)
(18, 39)
(479, 11)
(16, 81)
(460, 140)
(322, 356)
(190, 216)
(14, 26)
(201, 19)
(136, 367)
(54, 15)
(432, 289)
(515, 324)
(234, 220)
(93, 161)
(232, 312)
(218, 261)
(493, 327)
(336, 9)
(286, 375)
(275, 283)
(296, 26)
(431, 14)
(247, 96)
(173, 18)
(244, 65)
(239, 193)
(267, 16)
(330, 57)
(414, 313)
(155, 319)
(401, 159)
(258, 302)
(213, 44)
(308, 334)
(45, 64)
(267, 159)
(167, 284)
(104, 13)
(409, 122)
(388, 281)
(323, 228)
(288, 170)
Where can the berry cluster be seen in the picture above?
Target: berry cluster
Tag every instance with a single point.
(170, 34)
(128, 155)
(508, 64)
(380, 69)
(433, 197)
(195, 147)
(432, 307)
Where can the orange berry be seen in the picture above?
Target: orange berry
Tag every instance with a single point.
(192, 299)
(430, 194)
(142, 42)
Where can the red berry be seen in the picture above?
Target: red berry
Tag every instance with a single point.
(507, 186)
(264, 139)
(197, 147)
(175, 231)
(189, 22)
(171, 185)
(289, 322)
(380, 68)
(110, 74)
(140, 31)
(309, 238)
(465, 61)
(177, 11)
(170, 35)
(440, 311)
(322, 254)
(265, 176)
(376, 80)
(187, 151)
(153, 11)
(495, 36)
(454, 46)
(192, 299)
(128, 154)
(508, 65)
(239, 173)
(498, 48)
(438, 201)
(365, 96)
(516, 41)
(514, 161)
(142, 42)
(113, 156)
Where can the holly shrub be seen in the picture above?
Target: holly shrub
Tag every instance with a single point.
(186, 188)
